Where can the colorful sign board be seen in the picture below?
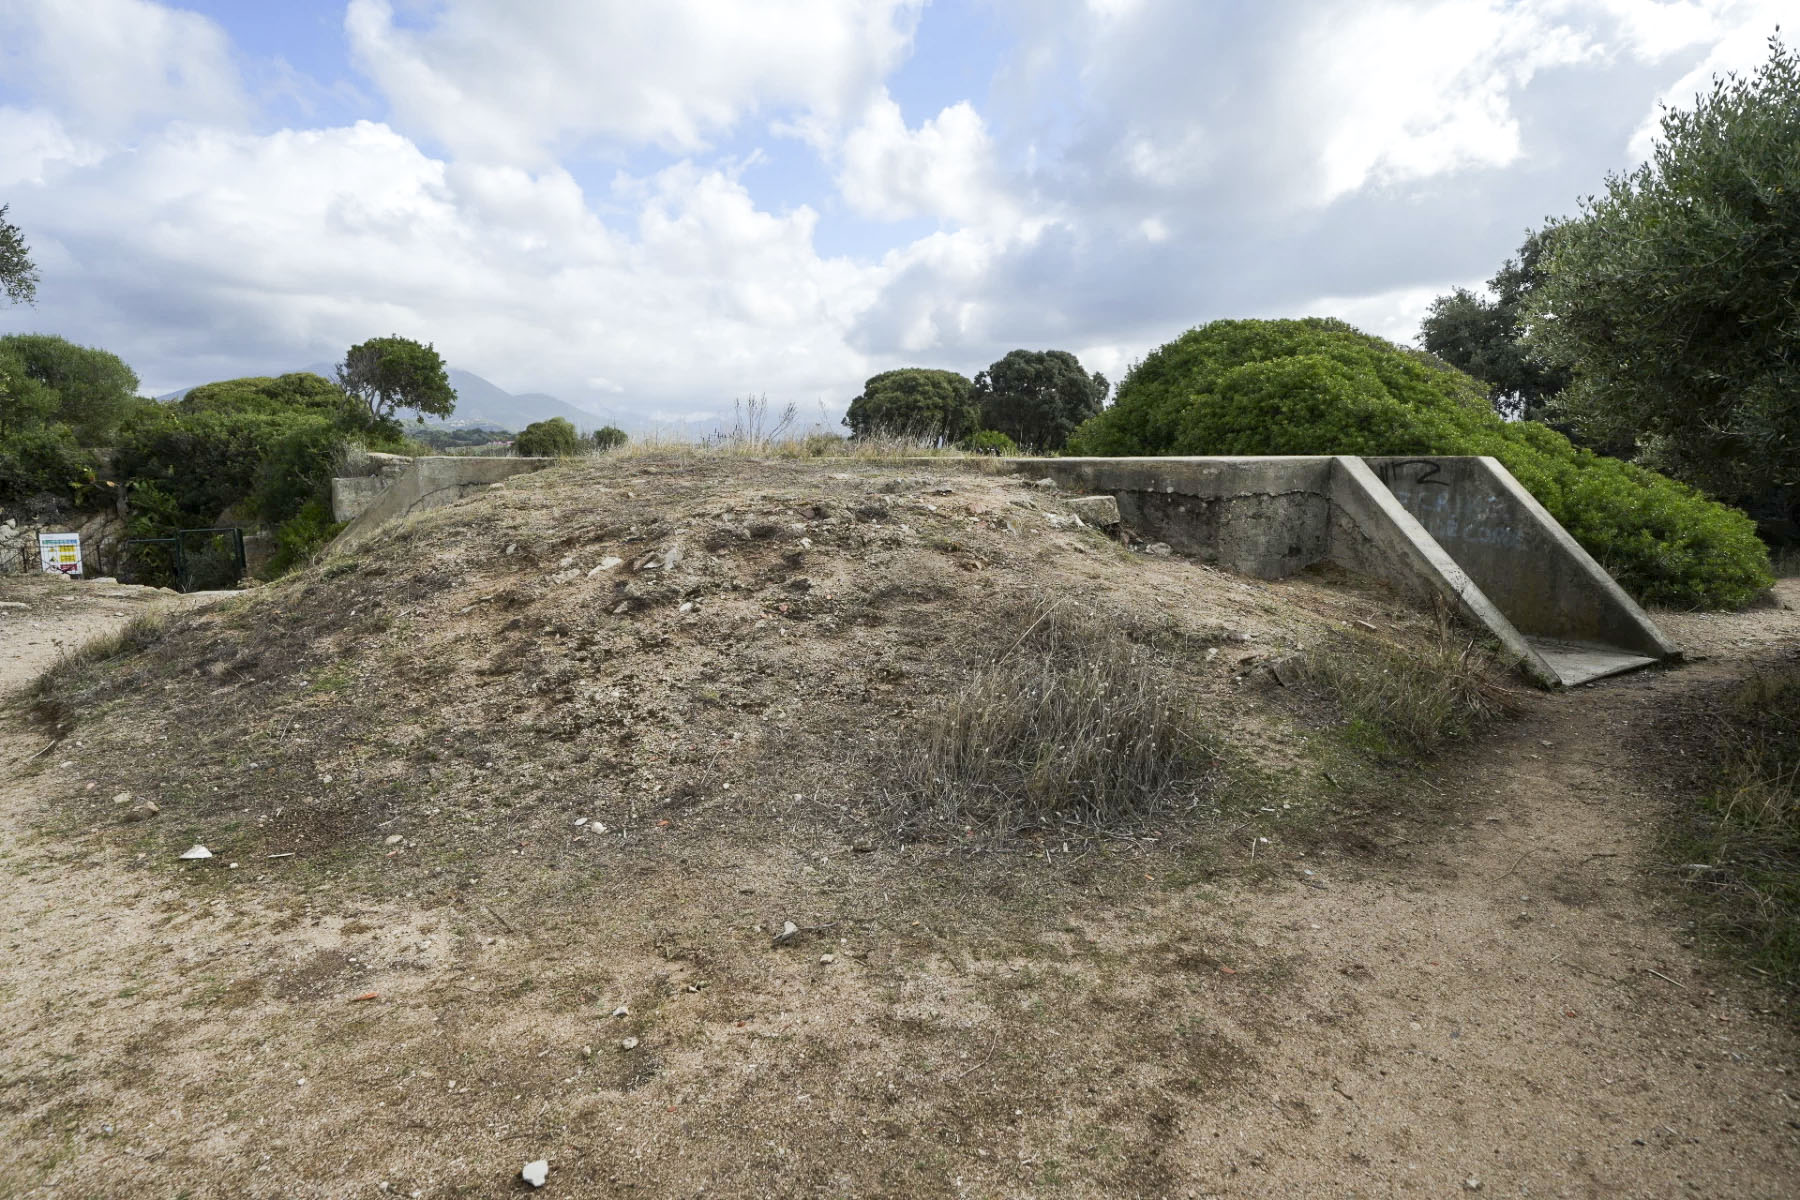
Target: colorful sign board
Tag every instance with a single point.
(60, 552)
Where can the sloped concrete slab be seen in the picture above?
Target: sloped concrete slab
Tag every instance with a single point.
(1576, 663)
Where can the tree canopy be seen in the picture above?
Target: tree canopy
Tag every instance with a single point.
(1038, 397)
(1672, 298)
(391, 373)
(915, 402)
(1485, 337)
(94, 389)
(18, 278)
(1321, 387)
(554, 438)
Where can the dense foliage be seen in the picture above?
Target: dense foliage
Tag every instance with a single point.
(1672, 298)
(610, 437)
(915, 402)
(387, 374)
(555, 438)
(1039, 397)
(988, 441)
(1321, 387)
(94, 390)
(1486, 337)
(255, 449)
(18, 278)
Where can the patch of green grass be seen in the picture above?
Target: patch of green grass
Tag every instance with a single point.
(1740, 843)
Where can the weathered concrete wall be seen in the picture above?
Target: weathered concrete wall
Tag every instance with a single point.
(1267, 517)
(432, 483)
(1518, 554)
(1468, 536)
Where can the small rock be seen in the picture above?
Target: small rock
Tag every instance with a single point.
(1046, 484)
(825, 960)
(394, 839)
(1160, 549)
(628, 1044)
(580, 821)
(512, 548)
(195, 852)
(535, 1173)
(606, 564)
(624, 1010)
(1096, 510)
(567, 561)
(1471, 1184)
(122, 798)
(788, 932)
(686, 606)
(143, 812)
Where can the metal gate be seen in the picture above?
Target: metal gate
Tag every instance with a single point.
(188, 560)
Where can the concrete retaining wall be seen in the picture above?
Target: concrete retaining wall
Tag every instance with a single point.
(1458, 529)
(428, 483)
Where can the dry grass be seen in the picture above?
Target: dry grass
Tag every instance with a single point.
(1073, 726)
(1407, 700)
(55, 692)
(1740, 844)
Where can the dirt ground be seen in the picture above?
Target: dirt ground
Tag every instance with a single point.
(1508, 1001)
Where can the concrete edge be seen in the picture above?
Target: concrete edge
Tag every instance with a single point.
(408, 494)
(1595, 576)
(1364, 500)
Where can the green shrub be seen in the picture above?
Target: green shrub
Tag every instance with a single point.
(1321, 387)
(555, 438)
(610, 437)
(989, 441)
(44, 459)
(302, 536)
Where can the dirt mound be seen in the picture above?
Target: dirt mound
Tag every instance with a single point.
(639, 644)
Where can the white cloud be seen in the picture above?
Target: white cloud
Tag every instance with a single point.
(109, 66)
(943, 169)
(1737, 36)
(289, 247)
(501, 80)
(34, 145)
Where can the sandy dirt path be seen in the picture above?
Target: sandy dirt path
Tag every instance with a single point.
(1506, 1005)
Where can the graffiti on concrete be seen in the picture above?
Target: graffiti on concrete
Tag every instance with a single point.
(1471, 515)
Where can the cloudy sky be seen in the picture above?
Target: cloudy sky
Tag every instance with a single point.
(656, 207)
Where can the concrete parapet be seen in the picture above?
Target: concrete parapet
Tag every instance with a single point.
(1457, 528)
(429, 482)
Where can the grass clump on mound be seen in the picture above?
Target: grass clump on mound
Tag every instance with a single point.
(1741, 843)
(1406, 701)
(1319, 386)
(1074, 726)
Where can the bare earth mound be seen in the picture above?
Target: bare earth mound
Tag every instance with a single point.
(517, 830)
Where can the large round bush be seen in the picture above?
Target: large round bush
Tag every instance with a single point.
(1321, 387)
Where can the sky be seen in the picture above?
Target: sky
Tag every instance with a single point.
(654, 209)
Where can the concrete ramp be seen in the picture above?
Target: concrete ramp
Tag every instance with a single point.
(1457, 529)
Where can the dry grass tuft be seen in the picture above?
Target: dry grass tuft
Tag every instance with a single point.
(54, 694)
(1407, 700)
(1073, 726)
(1741, 842)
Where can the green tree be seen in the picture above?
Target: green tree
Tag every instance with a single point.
(24, 401)
(1485, 337)
(915, 402)
(1039, 397)
(391, 373)
(609, 437)
(555, 438)
(1322, 387)
(18, 278)
(1672, 299)
(94, 390)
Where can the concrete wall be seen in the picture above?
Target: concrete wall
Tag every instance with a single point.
(1522, 558)
(1267, 517)
(1455, 530)
(431, 483)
